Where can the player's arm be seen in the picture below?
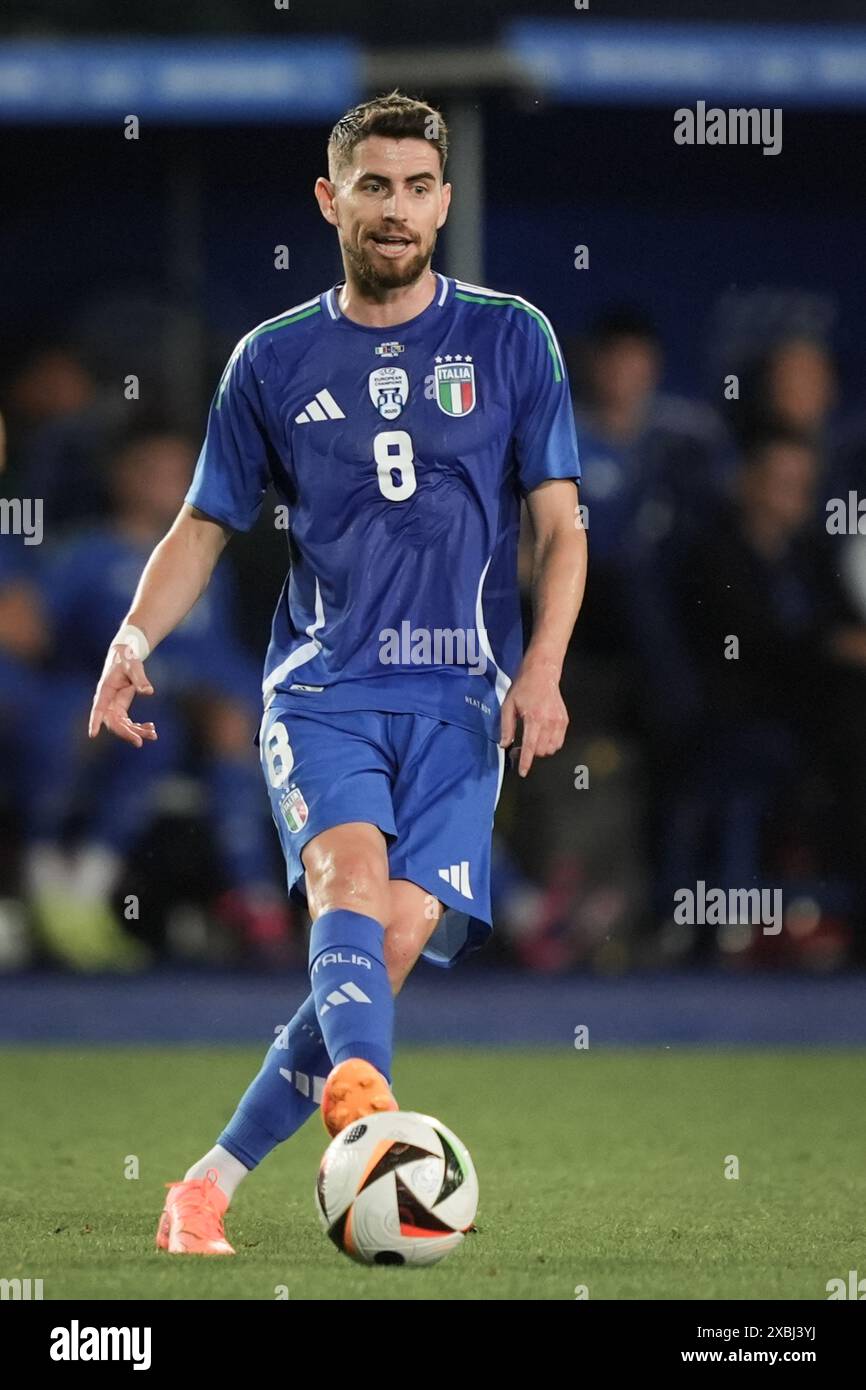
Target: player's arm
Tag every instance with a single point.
(558, 582)
(174, 578)
(226, 494)
(548, 469)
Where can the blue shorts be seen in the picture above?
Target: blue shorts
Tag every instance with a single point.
(430, 787)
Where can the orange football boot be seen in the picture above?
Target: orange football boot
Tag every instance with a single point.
(192, 1218)
(354, 1088)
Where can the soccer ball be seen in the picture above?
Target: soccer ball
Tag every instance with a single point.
(396, 1188)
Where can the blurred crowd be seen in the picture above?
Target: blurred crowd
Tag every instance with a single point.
(717, 677)
(715, 683)
(100, 887)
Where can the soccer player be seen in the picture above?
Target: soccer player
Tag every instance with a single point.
(400, 415)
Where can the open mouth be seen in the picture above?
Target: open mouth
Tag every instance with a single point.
(391, 245)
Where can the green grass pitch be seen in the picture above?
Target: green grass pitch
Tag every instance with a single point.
(597, 1168)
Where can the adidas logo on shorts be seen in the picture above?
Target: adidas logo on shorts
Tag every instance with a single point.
(458, 877)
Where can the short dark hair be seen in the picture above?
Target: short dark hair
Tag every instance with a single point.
(404, 118)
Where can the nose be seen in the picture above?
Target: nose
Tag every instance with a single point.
(394, 206)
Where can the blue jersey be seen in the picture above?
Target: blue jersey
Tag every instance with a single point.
(399, 457)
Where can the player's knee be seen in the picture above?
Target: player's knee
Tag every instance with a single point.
(353, 879)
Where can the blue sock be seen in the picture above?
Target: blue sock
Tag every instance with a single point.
(354, 1002)
(284, 1094)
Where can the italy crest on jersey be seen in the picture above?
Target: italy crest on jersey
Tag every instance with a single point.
(455, 385)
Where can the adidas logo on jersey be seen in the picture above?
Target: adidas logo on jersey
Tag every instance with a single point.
(321, 407)
(458, 877)
(347, 993)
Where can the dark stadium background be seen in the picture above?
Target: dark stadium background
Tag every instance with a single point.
(155, 256)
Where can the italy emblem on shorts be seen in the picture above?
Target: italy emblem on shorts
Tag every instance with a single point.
(455, 384)
(294, 809)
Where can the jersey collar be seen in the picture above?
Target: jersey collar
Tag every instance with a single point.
(440, 299)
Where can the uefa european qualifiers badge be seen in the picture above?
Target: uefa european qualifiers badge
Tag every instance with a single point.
(389, 391)
(295, 810)
(455, 384)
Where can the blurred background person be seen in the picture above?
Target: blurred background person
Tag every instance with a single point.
(780, 659)
(206, 707)
(792, 386)
(656, 463)
(58, 421)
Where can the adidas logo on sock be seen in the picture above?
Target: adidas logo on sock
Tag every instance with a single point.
(301, 1081)
(458, 877)
(344, 995)
(321, 407)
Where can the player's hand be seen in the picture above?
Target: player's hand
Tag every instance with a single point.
(534, 698)
(123, 677)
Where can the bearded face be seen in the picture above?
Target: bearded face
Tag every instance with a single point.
(388, 205)
(389, 259)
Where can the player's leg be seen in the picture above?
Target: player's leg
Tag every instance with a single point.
(286, 1091)
(444, 797)
(288, 1087)
(330, 787)
(320, 775)
(347, 890)
(355, 1087)
(413, 916)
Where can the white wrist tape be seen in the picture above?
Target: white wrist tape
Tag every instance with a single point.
(131, 636)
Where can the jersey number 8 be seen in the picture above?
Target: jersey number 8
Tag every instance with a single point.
(401, 461)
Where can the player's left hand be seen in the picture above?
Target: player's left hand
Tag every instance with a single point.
(534, 698)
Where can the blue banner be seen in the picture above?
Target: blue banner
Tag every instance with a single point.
(581, 60)
(178, 81)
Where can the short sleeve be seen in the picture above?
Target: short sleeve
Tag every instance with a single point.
(234, 466)
(545, 439)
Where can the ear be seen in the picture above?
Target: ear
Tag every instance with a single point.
(325, 192)
(446, 203)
